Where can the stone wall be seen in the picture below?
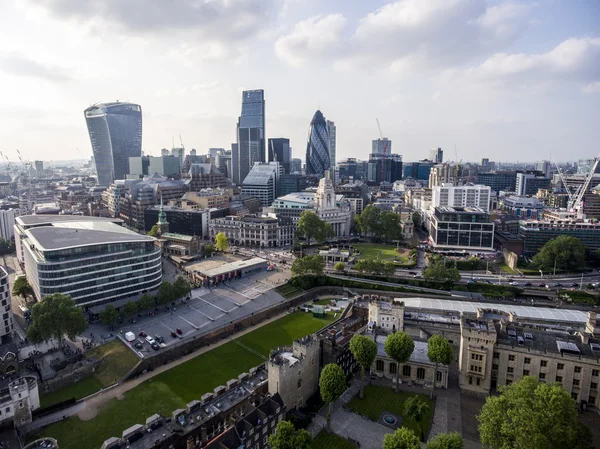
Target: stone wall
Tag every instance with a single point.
(70, 375)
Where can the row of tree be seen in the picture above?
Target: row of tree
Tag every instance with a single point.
(441, 270)
(382, 224)
(375, 266)
(6, 247)
(311, 227)
(314, 265)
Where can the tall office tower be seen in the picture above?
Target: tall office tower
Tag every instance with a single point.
(485, 163)
(296, 165)
(279, 149)
(378, 145)
(317, 146)
(179, 153)
(331, 131)
(436, 155)
(544, 167)
(164, 152)
(250, 132)
(234, 174)
(116, 135)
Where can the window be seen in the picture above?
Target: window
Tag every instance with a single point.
(379, 365)
(420, 373)
(511, 358)
(406, 370)
(525, 372)
(393, 368)
(542, 376)
(543, 363)
(575, 382)
(593, 385)
(560, 366)
(574, 396)
(510, 370)
(495, 366)
(478, 381)
(595, 372)
(592, 400)
(577, 369)
(508, 382)
(559, 379)
(496, 355)
(527, 360)
(470, 380)
(438, 376)
(299, 383)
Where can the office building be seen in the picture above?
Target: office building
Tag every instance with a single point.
(296, 165)
(381, 146)
(168, 166)
(181, 221)
(331, 132)
(6, 327)
(461, 196)
(458, 228)
(279, 150)
(234, 174)
(204, 176)
(292, 205)
(223, 163)
(442, 174)
(94, 260)
(115, 131)
(544, 167)
(529, 182)
(386, 168)
(263, 182)
(524, 207)
(418, 170)
(498, 181)
(317, 146)
(7, 223)
(536, 233)
(252, 230)
(436, 155)
(206, 198)
(292, 183)
(347, 169)
(250, 133)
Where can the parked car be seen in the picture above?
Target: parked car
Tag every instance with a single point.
(155, 346)
(541, 285)
(150, 340)
(143, 334)
(513, 283)
(173, 334)
(178, 331)
(527, 284)
(574, 285)
(557, 285)
(471, 281)
(138, 345)
(159, 339)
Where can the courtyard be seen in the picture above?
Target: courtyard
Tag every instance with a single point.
(381, 252)
(181, 384)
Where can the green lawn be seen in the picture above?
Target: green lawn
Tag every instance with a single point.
(116, 361)
(326, 440)
(176, 387)
(288, 290)
(379, 398)
(372, 250)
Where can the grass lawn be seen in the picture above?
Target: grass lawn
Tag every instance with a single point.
(78, 390)
(379, 398)
(326, 440)
(372, 250)
(288, 291)
(176, 387)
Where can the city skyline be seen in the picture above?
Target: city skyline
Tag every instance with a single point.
(500, 78)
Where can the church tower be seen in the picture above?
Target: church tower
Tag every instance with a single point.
(163, 224)
(325, 197)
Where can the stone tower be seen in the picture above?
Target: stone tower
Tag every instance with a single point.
(162, 224)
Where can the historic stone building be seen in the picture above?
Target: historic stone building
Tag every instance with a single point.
(337, 214)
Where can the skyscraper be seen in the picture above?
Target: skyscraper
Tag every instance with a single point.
(436, 155)
(331, 131)
(379, 145)
(317, 146)
(279, 149)
(116, 135)
(250, 132)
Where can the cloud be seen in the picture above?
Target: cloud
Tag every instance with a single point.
(311, 39)
(21, 65)
(592, 88)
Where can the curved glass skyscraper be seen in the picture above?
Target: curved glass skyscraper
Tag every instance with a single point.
(116, 135)
(317, 146)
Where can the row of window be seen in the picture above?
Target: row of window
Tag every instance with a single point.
(544, 363)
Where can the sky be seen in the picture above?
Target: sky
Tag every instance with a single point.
(506, 80)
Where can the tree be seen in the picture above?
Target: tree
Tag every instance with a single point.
(364, 351)
(332, 384)
(222, 242)
(165, 293)
(567, 252)
(109, 315)
(417, 220)
(209, 250)
(6, 247)
(399, 347)
(55, 316)
(153, 232)
(339, 266)
(130, 308)
(402, 438)
(415, 408)
(146, 302)
(390, 227)
(21, 287)
(286, 437)
(308, 265)
(439, 351)
(530, 414)
(437, 271)
(312, 227)
(375, 266)
(369, 220)
(181, 287)
(446, 441)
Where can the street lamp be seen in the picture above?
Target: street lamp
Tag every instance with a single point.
(541, 274)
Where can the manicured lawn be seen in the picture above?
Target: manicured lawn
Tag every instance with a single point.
(116, 361)
(372, 250)
(176, 387)
(288, 291)
(326, 440)
(379, 398)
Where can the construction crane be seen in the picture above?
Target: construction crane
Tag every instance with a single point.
(575, 203)
(384, 152)
(181, 141)
(562, 179)
(457, 165)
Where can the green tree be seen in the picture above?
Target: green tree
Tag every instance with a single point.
(6, 247)
(417, 220)
(439, 350)
(452, 440)
(153, 232)
(146, 302)
(312, 227)
(55, 316)
(339, 266)
(437, 271)
(209, 250)
(222, 242)
(415, 408)
(364, 351)
(130, 308)
(286, 437)
(181, 287)
(530, 414)
(375, 266)
(21, 287)
(390, 227)
(402, 438)
(332, 384)
(308, 265)
(567, 252)
(399, 346)
(165, 293)
(109, 315)
(369, 220)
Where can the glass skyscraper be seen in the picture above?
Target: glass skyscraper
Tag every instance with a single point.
(250, 133)
(116, 135)
(317, 146)
(279, 149)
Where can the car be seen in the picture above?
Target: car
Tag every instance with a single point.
(417, 276)
(527, 284)
(138, 345)
(471, 281)
(541, 285)
(179, 332)
(143, 334)
(155, 346)
(150, 340)
(412, 273)
(574, 285)
(557, 285)
(513, 283)
(173, 334)
(159, 339)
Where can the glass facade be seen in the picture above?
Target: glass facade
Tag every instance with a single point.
(280, 150)
(317, 146)
(536, 234)
(452, 228)
(250, 133)
(115, 131)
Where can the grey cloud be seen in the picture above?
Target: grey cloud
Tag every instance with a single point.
(18, 64)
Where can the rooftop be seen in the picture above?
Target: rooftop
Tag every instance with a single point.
(419, 354)
(460, 210)
(37, 220)
(232, 266)
(175, 236)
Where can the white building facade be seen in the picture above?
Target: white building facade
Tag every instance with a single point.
(337, 214)
(470, 195)
(7, 223)
(5, 304)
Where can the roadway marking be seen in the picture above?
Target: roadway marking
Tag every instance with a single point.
(214, 305)
(189, 322)
(202, 313)
(228, 299)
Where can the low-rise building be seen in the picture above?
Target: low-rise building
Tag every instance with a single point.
(252, 230)
(467, 228)
(525, 207)
(18, 399)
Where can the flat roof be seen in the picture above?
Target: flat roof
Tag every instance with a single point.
(175, 236)
(232, 266)
(537, 313)
(35, 220)
(419, 354)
